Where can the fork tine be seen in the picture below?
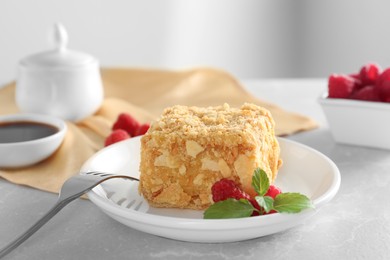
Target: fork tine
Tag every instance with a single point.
(79, 184)
(106, 174)
(101, 174)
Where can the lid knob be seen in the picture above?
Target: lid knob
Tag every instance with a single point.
(60, 37)
(59, 56)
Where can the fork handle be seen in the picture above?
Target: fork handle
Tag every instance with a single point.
(23, 237)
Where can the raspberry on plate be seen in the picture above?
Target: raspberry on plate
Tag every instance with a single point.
(126, 122)
(257, 206)
(116, 136)
(273, 191)
(225, 189)
(341, 86)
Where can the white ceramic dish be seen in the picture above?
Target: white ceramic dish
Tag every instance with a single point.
(304, 170)
(21, 154)
(357, 122)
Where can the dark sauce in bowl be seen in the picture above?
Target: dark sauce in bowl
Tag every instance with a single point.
(22, 131)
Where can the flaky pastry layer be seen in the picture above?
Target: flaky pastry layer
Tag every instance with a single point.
(190, 148)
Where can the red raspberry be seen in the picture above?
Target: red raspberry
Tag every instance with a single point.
(355, 75)
(273, 191)
(126, 122)
(224, 189)
(142, 129)
(386, 99)
(369, 73)
(340, 86)
(116, 136)
(358, 82)
(368, 93)
(383, 85)
(257, 206)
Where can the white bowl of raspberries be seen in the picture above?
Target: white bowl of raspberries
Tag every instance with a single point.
(357, 107)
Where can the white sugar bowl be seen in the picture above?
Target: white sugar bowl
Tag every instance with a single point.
(59, 82)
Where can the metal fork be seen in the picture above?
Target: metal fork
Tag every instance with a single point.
(72, 189)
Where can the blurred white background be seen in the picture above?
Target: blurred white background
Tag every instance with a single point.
(248, 38)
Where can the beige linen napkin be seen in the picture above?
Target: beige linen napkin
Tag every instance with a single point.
(144, 94)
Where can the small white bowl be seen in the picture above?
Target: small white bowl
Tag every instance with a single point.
(355, 122)
(28, 152)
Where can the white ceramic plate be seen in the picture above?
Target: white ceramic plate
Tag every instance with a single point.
(304, 170)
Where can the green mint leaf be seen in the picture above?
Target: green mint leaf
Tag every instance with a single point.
(266, 202)
(291, 202)
(260, 182)
(229, 208)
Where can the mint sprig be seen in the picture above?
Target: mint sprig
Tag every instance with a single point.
(289, 202)
(230, 208)
(266, 202)
(260, 181)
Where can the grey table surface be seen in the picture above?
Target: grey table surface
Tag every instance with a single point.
(354, 225)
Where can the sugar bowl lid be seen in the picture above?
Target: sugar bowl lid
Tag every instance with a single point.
(60, 56)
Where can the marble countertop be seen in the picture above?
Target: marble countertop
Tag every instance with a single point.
(354, 225)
